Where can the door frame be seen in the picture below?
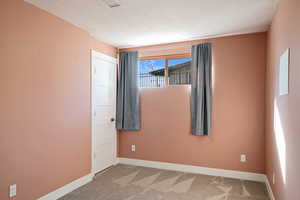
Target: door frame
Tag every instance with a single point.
(112, 60)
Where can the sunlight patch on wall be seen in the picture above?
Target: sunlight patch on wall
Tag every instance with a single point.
(280, 141)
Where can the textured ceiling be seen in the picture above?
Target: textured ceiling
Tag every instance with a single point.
(146, 22)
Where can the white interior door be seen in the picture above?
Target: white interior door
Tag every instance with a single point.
(103, 111)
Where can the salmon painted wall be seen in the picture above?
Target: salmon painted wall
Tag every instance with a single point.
(239, 64)
(45, 100)
(282, 112)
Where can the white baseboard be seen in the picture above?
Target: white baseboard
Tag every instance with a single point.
(195, 169)
(68, 188)
(271, 195)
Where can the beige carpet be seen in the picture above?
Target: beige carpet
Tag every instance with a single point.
(124, 182)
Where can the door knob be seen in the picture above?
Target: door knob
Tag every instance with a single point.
(112, 119)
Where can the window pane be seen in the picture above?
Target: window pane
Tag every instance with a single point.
(151, 73)
(179, 71)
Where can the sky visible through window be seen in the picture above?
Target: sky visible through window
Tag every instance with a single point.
(146, 66)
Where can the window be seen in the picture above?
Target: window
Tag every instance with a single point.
(151, 73)
(179, 71)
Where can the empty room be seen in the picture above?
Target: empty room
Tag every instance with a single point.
(149, 99)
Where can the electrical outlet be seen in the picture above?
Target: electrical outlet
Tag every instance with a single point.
(273, 178)
(13, 190)
(243, 158)
(133, 148)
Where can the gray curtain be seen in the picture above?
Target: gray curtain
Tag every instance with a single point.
(201, 89)
(128, 112)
